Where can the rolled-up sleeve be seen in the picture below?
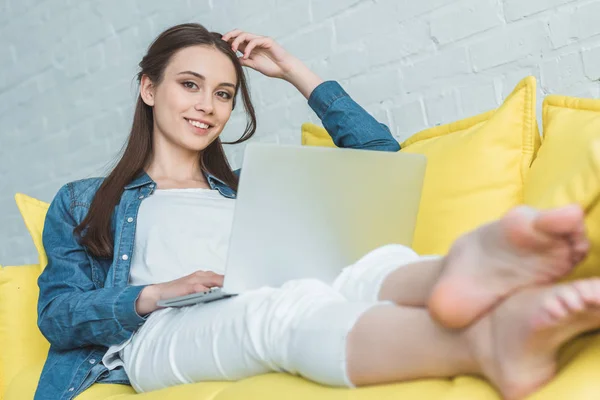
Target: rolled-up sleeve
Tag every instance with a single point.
(348, 124)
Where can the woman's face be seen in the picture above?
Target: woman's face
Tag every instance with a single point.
(194, 100)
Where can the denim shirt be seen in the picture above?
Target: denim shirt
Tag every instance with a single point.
(85, 303)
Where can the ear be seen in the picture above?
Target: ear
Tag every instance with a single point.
(147, 90)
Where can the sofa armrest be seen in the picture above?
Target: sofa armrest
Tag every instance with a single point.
(21, 342)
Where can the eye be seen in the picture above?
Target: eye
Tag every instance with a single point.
(189, 85)
(224, 95)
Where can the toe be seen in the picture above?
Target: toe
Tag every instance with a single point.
(586, 290)
(555, 307)
(580, 245)
(572, 299)
(560, 221)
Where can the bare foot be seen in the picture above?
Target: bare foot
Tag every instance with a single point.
(523, 248)
(516, 344)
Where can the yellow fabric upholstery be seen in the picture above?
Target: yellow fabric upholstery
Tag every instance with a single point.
(567, 169)
(475, 167)
(313, 135)
(21, 343)
(33, 212)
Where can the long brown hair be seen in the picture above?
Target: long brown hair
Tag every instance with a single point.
(95, 230)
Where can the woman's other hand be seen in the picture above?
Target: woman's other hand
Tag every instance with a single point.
(199, 281)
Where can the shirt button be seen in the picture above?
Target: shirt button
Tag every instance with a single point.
(141, 197)
(129, 219)
(125, 257)
(92, 361)
(151, 186)
(71, 389)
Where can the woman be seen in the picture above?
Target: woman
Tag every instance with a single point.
(158, 225)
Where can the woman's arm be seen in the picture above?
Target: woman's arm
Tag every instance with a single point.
(348, 123)
(72, 312)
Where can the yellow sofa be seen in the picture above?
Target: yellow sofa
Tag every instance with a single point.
(478, 169)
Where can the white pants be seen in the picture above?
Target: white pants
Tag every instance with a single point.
(300, 328)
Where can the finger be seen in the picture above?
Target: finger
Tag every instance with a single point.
(238, 41)
(244, 37)
(247, 63)
(252, 44)
(198, 287)
(216, 280)
(231, 34)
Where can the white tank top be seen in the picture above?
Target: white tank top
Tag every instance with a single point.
(178, 231)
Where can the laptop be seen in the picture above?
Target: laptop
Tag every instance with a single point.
(308, 212)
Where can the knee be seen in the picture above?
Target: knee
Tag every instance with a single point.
(360, 280)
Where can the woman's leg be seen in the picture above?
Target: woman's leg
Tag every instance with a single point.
(524, 247)
(514, 347)
(305, 328)
(299, 328)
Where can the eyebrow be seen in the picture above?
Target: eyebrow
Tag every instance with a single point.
(200, 76)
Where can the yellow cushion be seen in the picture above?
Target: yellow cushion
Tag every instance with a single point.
(21, 342)
(313, 135)
(34, 212)
(475, 168)
(567, 169)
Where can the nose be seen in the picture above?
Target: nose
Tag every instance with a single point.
(204, 102)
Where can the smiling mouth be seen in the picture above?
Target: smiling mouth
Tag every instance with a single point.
(198, 124)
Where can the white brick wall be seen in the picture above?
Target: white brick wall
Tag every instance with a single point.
(67, 68)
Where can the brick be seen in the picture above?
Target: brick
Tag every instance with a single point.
(467, 18)
(517, 9)
(407, 39)
(591, 62)
(118, 13)
(5, 12)
(234, 128)
(348, 63)
(274, 91)
(559, 25)
(324, 9)
(366, 20)
(408, 9)
(408, 119)
(562, 72)
(478, 98)
(379, 113)
(577, 23)
(314, 43)
(509, 44)
(298, 113)
(236, 12)
(152, 7)
(441, 65)
(374, 87)
(88, 27)
(94, 58)
(585, 20)
(441, 109)
(283, 20)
